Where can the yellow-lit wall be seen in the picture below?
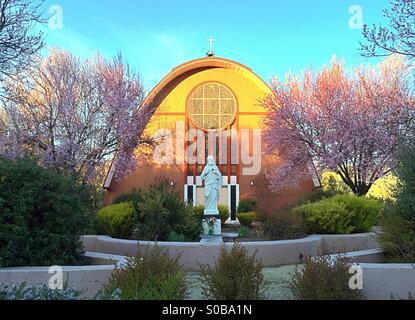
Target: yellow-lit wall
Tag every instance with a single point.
(247, 92)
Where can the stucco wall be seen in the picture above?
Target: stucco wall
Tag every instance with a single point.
(384, 281)
(388, 281)
(90, 278)
(272, 253)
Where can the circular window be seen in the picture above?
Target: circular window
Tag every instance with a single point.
(211, 106)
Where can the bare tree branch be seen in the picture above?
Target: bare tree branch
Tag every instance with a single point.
(397, 38)
(18, 43)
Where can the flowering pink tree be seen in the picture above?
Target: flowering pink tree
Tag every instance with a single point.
(349, 124)
(75, 115)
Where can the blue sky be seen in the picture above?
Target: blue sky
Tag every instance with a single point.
(269, 36)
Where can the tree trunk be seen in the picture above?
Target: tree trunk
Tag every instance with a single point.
(360, 188)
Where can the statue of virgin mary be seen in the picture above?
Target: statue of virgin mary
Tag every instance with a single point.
(213, 184)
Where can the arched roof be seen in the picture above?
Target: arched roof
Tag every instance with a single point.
(194, 66)
(178, 74)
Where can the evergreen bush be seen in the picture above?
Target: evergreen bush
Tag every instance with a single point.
(42, 216)
(397, 238)
(406, 189)
(246, 218)
(342, 214)
(159, 211)
(117, 220)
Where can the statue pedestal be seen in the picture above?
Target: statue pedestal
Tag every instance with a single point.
(212, 225)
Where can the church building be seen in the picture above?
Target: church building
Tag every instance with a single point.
(210, 106)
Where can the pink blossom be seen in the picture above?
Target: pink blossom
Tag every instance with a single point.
(75, 115)
(350, 124)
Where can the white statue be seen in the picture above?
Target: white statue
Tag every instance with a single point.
(213, 185)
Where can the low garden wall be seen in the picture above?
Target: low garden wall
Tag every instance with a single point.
(90, 279)
(384, 281)
(380, 280)
(272, 253)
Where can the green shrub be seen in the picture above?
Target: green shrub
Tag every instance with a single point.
(283, 226)
(406, 189)
(247, 205)
(161, 211)
(365, 212)
(342, 214)
(235, 276)
(324, 278)
(199, 211)
(243, 232)
(38, 293)
(153, 223)
(246, 218)
(134, 196)
(397, 239)
(223, 212)
(42, 216)
(117, 220)
(175, 237)
(150, 275)
(326, 217)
